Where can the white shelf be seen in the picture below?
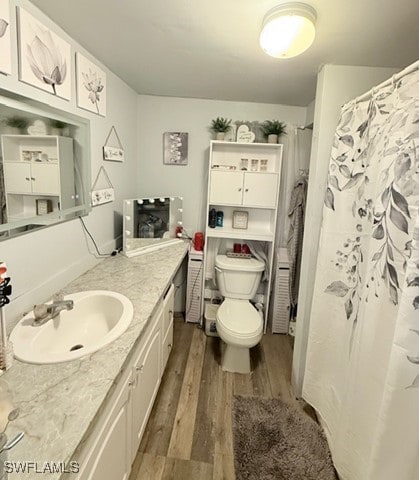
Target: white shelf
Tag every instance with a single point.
(222, 232)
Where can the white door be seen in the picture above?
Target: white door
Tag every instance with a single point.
(17, 177)
(226, 188)
(110, 459)
(45, 179)
(260, 190)
(146, 384)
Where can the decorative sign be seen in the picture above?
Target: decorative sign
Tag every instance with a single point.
(240, 219)
(113, 149)
(5, 39)
(244, 135)
(104, 194)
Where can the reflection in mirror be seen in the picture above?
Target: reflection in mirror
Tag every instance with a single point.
(151, 223)
(44, 165)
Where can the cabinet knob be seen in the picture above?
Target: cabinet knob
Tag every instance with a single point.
(246, 190)
(240, 189)
(27, 178)
(33, 178)
(131, 383)
(169, 346)
(139, 369)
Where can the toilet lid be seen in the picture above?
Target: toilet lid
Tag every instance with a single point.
(239, 317)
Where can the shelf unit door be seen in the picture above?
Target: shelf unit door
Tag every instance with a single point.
(260, 190)
(17, 177)
(226, 188)
(45, 179)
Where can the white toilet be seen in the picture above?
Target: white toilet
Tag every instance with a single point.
(239, 324)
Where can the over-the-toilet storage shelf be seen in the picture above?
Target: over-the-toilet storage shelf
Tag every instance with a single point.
(244, 177)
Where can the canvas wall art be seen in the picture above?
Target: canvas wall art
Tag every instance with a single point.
(91, 86)
(5, 42)
(44, 57)
(175, 148)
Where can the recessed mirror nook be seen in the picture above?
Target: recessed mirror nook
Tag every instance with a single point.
(44, 165)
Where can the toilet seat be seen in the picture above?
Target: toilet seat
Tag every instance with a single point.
(239, 323)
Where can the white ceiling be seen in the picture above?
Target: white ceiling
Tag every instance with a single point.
(210, 49)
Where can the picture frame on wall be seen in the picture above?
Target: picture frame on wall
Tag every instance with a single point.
(175, 148)
(5, 39)
(91, 86)
(44, 57)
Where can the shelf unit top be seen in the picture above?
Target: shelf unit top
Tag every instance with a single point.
(247, 144)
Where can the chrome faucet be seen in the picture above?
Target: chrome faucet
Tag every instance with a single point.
(48, 311)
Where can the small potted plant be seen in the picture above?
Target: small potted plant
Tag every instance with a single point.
(15, 125)
(220, 126)
(272, 129)
(56, 127)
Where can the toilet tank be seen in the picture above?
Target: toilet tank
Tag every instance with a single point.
(238, 277)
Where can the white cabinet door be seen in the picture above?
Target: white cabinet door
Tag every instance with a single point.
(260, 190)
(109, 457)
(45, 179)
(17, 177)
(167, 326)
(226, 188)
(146, 383)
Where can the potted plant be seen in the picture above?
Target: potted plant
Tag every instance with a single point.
(15, 124)
(220, 126)
(272, 129)
(56, 127)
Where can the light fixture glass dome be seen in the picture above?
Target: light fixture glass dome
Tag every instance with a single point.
(288, 30)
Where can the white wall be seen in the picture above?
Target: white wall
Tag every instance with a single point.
(336, 85)
(42, 262)
(168, 114)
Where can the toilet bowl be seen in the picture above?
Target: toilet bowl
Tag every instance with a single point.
(239, 324)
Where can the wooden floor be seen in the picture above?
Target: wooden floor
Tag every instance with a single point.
(189, 434)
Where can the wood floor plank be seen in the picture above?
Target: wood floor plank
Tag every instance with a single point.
(260, 378)
(243, 384)
(150, 467)
(223, 467)
(183, 428)
(277, 349)
(223, 427)
(159, 428)
(203, 439)
(176, 469)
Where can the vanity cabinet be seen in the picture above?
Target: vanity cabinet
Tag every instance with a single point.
(112, 445)
(37, 167)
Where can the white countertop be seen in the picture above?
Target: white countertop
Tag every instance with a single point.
(58, 403)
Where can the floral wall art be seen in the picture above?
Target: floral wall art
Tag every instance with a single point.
(5, 52)
(91, 86)
(44, 57)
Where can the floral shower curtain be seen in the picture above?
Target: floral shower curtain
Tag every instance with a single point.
(362, 370)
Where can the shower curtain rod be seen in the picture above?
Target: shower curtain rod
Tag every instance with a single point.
(397, 76)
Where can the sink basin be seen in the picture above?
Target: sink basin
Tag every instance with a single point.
(98, 318)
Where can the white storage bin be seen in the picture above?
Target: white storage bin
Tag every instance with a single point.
(211, 319)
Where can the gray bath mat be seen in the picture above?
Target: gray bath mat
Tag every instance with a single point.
(276, 441)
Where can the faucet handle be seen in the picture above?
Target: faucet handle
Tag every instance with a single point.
(58, 297)
(40, 311)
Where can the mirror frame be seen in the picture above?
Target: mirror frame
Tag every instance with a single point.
(34, 107)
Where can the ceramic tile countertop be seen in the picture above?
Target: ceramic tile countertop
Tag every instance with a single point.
(58, 403)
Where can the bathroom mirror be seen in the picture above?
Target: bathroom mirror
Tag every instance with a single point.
(151, 223)
(44, 165)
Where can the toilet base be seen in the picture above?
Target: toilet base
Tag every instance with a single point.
(235, 359)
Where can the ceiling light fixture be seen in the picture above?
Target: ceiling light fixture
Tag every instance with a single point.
(288, 30)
